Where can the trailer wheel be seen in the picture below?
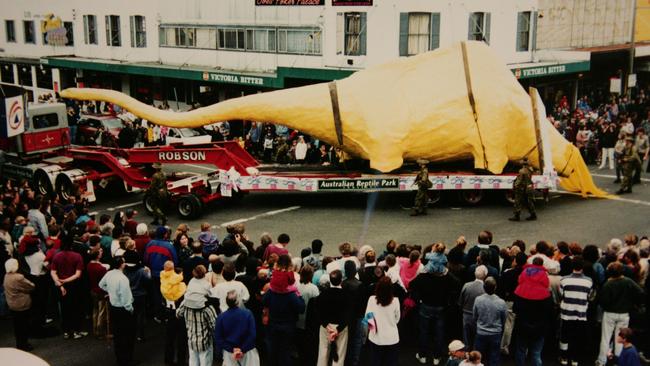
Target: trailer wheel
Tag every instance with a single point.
(42, 183)
(189, 206)
(64, 187)
(471, 196)
(148, 204)
(433, 197)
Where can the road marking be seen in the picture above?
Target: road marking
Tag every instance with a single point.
(613, 197)
(201, 167)
(613, 176)
(123, 206)
(265, 214)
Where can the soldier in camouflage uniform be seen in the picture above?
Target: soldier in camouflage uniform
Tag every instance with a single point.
(630, 161)
(158, 192)
(282, 151)
(423, 183)
(523, 190)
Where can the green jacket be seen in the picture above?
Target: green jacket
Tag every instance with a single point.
(619, 295)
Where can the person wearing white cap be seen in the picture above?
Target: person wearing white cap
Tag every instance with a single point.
(456, 353)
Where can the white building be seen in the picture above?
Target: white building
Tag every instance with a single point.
(210, 50)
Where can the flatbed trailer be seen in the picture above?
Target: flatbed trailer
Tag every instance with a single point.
(43, 155)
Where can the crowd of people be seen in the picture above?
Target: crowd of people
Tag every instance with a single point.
(247, 303)
(599, 125)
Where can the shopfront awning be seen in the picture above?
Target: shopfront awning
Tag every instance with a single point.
(266, 80)
(540, 69)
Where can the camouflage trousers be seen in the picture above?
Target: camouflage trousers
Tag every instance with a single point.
(421, 200)
(628, 176)
(156, 208)
(524, 199)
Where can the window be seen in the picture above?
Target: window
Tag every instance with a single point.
(25, 75)
(7, 73)
(55, 38)
(166, 36)
(262, 40)
(45, 121)
(479, 27)
(206, 38)
(351, 34)
(90, 29)
(30, 32)
(300, 41)
(44, 77)
(419, 32)
(69, 33)
(526, 31)
(113, 37)
(138, 31)
(232, 39)
(185, 37)
(10, 30)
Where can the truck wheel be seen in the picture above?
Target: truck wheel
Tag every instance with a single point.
(148, 205)
(433, 197)
(189, 206)
(64, 187)
(42, 183)
(471, 196)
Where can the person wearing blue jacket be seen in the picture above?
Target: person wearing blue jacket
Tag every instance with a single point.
(235, 334)
(156, 253)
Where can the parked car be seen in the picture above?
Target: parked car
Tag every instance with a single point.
(88, 126)
(188, 136)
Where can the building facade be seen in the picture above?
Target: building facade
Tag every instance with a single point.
(210, 50)
(616, 33)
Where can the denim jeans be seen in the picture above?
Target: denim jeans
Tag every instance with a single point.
(490, 347)
(469, 329)
(354, 342)
(431, 320)
(201, 358)
(611, 325)
(532, 345)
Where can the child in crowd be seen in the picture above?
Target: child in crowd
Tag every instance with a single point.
(208, 239)
(283, 279)
(473, 359)
(456, 353)
(172, 286)
(198, 289)
(629, 355)
(437, 253)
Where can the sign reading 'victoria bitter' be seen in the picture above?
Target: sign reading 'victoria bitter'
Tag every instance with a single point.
(357, 184)
(289, 2)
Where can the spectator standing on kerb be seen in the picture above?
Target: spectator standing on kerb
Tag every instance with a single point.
(617, 297)
(123, 323)
(235, 334)
(575, 290)
(66, 271)
(490, 317)
(468, 295)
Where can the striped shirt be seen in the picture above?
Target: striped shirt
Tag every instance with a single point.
(200, 326)
(575, 289)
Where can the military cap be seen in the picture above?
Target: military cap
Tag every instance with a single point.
(157, 166)
(422, 161)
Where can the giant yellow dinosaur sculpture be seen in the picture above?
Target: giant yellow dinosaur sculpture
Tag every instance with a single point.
(411, 108)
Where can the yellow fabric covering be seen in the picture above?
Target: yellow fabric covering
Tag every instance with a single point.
(407, 109)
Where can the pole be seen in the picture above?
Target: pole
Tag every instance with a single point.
(628, 88)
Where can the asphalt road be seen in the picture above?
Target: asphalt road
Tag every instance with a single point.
(375, 218)
(370, 219)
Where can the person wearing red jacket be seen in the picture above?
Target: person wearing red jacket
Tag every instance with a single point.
(533, 307)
